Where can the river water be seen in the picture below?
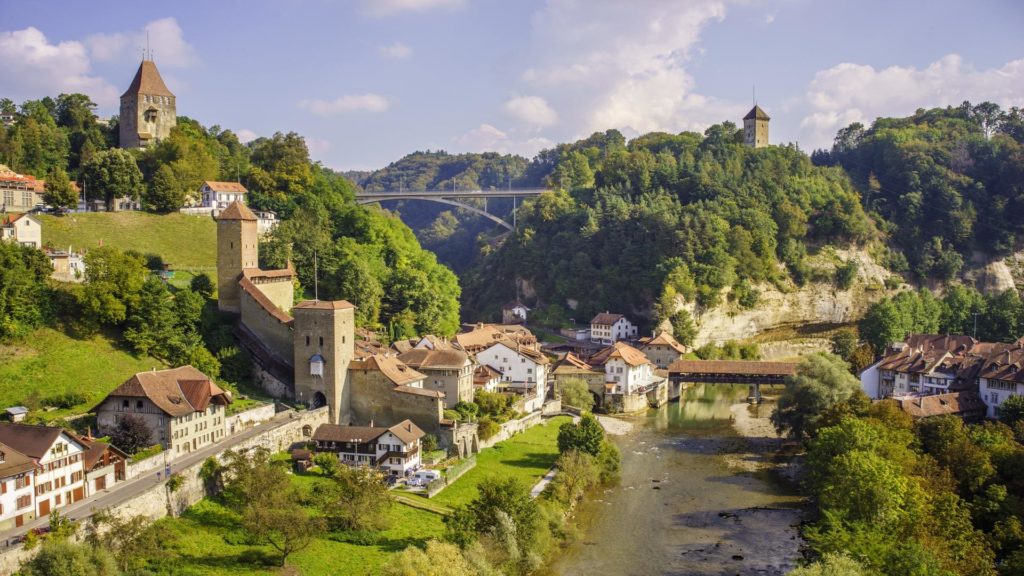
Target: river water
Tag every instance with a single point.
(695, 497)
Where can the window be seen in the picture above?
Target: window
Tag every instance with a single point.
(21, 482)
(307, 340)
(993, 398)
(321, 341)
(24, 501)
(138, 405)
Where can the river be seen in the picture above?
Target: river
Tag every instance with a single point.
(695, 497)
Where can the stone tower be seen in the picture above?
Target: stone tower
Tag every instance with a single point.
(755, 128)
(324, 334)
(148, 109)
(237, 250)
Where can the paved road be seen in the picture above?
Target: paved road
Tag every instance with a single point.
(128, 489)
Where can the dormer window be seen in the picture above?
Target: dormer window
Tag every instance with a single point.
(316, 366)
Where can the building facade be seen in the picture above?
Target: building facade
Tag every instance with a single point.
(148, 109)
(607, 328)
(448, 370)
(17, 490)
(22, 229)
(514, 312)
(19, 192)
(662, 350)
(59, 474)
(182, 407)
(523, 370)
(220, 195)
(755, 128)
(395, 450)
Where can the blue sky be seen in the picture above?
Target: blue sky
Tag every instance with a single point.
(369, 81)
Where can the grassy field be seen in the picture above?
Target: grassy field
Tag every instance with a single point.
(208, 540)
(526, 457)
(182, 241)
(50, 362)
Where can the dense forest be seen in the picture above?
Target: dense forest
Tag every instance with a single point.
(638, 224)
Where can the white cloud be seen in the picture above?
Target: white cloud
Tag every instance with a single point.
(347, 104)
(317, 146)
(245, 135)
(531, 110)
(769, 18)
(612, 64)
(164, 36)
(849, 92)
(389, 7)
(487, 138)
(396, 50)
(33, 68)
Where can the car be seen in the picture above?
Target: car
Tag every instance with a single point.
(424, 477)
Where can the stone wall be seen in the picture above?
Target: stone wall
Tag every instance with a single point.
(274, 334)
(511, 428)
(271, 385)
(250, 418)
(374, 398)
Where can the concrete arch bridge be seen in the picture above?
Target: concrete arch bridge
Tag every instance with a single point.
(456, 198)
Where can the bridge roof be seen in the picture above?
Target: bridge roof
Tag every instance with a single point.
(738, 367)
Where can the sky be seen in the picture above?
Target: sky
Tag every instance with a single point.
(368, 81)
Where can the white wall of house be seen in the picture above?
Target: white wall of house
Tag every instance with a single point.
(60, 476)
(395, 465)
(995, 392)
(517, 370)
(627, 379)
(622, 329)
(17, 498)
(869, 381)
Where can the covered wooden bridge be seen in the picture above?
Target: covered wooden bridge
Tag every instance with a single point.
(751, 372)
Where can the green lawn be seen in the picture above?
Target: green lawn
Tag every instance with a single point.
(208, 541)
(50, 362)
(526, 457)
(182, 241)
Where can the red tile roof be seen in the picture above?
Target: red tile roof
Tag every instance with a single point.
(176, 391)
(147, 81)
(742, 367)
(963, 403)
(237, 211)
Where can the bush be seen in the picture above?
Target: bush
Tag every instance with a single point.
(576, 393)
(846, 274)
(486, 427)
(429, 443)
(131, 434)
(202, 285)
(65, 400)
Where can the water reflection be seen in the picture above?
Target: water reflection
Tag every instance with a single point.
(687, 503)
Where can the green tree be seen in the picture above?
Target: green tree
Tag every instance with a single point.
(821, 380)
(574, 392)
(438, 559)
(202, 284)
(576, 473)
(585, 435)
(59, 191)
(131, 434)
(111, 174)
(844, 343)
(60, 557)
(1011, 410)
(355, 499)
(165, 194)
(496, 497)
(280, 521)
(24, 295)
(831, 565)
(683, 327)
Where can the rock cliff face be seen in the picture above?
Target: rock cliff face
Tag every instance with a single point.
(814, 303)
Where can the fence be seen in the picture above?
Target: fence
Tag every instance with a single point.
(450, 475)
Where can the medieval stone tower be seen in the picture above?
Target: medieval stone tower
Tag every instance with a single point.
(148, 110)
(755, 128)
(237, 249)
(323, 337)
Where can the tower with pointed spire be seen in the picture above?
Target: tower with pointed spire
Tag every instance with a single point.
(148, 109)
(755, 128)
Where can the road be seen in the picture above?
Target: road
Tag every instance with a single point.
(83, 509)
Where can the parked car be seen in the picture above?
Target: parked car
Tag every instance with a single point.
(424, 477)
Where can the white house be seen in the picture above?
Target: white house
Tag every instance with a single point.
(922, 365)
(1000, 377)
(514, 312)
(23, 229)
(17, 504)
(60, 469)
(627, 370)
(395, 450)
(523, 369)
(218, 195)
(266, 221)
(606, 328)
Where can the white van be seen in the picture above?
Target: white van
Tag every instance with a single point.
(424, 477)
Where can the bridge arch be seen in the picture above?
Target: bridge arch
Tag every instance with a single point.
(450, 202)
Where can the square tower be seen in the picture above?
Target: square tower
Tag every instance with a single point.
(755, 128)
(237, 250)
(324, 337)
(148, 109)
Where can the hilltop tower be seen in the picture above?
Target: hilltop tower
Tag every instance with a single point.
(148, 110)
(755, 128)
(324, 337)
(237, 250)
